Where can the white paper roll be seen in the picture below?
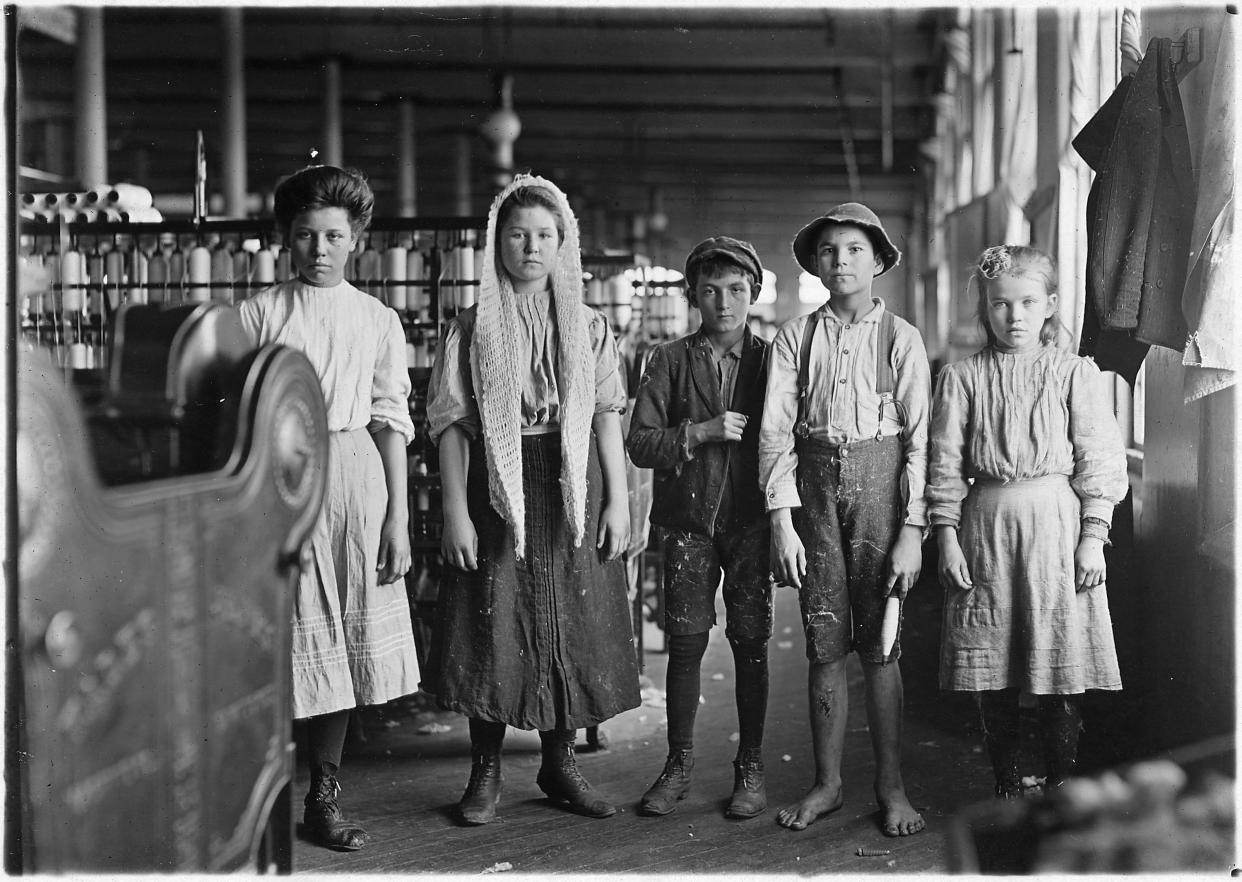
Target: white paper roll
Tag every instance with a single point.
(129, 197)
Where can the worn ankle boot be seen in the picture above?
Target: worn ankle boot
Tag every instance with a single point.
(323, 820)
(478, 804)
(672, 785)
(750, 797)
(560, 779)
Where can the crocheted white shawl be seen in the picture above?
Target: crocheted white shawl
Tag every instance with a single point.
(497, 374)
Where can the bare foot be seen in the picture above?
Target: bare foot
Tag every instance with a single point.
(819, 801)
(900, 818)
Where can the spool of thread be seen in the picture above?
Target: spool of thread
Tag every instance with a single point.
(466, 273)
(67, 215)
(89, 215)
(111, 216)
(176, 275)
(284, 266)
(28, 214)
(222, 275)
(370, 271)
(79, 356)
(241, 275)
(198, 272)
(71, 200)
(137, 292)
(32, 200)
(264, 269)
(50, 200)
(415, 271)
(99, 195)
(72, 275)
(396, 259)
(157, 278)
(95, 281)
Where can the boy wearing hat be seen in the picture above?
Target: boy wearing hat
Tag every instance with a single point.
(842, 465)
(696, 422)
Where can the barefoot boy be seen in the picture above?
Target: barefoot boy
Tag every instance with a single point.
(842, 464)
(696, 422)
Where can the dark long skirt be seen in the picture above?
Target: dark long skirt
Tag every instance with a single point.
(541, 643)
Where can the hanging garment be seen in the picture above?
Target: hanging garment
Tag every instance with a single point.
(1208, 300)
(1139, 216)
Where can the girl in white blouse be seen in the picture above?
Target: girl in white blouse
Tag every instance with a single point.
(1026, 465)
(352, 638)
(526, 400)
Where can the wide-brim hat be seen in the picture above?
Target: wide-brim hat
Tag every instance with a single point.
(735, 251)
(847, 213)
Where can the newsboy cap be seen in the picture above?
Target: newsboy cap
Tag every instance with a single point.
(847, 213)
(733, 250)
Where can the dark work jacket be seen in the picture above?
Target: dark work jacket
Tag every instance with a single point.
(1139, 214)
(680, 385)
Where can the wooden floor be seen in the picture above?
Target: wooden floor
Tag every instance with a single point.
(402, 785)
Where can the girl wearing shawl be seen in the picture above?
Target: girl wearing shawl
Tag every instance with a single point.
(525, 403)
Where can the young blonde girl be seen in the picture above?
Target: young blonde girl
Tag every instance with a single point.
(525, 401)
(1026, 466)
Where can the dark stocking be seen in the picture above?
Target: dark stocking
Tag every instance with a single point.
(325, 735)
(1060, 721)
(998, 711)
(682, 685)
(750, 666)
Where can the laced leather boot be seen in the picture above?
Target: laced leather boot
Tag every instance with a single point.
(325, 825)
(478, 804)
(750, 797)
(672, 785)
(560, 779)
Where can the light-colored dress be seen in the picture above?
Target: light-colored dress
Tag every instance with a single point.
(353, 643)
(1035, 433)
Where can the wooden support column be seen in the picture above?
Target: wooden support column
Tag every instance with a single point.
(462, 177)
(233, 113)
(407, 176)
(331, 150)
(91, 116)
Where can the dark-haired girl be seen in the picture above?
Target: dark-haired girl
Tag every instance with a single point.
(525, 400)
(1026, 467)
(352, 639)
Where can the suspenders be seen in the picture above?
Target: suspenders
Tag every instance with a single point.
(885, 383)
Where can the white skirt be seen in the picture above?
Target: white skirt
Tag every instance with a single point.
(353, 643)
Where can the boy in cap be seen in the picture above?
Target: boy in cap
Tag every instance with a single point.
(842, 465)
(696, 422)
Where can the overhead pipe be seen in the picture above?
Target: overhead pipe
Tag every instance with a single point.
(407, 175)
(331, 150)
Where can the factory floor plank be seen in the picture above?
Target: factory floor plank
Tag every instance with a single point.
(403, 778)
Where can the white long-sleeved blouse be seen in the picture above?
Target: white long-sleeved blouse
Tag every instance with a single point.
(354, 342)
(1014, 416)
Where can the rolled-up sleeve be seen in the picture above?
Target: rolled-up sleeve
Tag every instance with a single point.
(1100, 479)
(609, 387)
(652, 443)
(913, 390)
(390, 386)
(450, 392)
(946, 474)
(778, 461)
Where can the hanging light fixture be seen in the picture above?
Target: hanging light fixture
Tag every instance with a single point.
(501, 129)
